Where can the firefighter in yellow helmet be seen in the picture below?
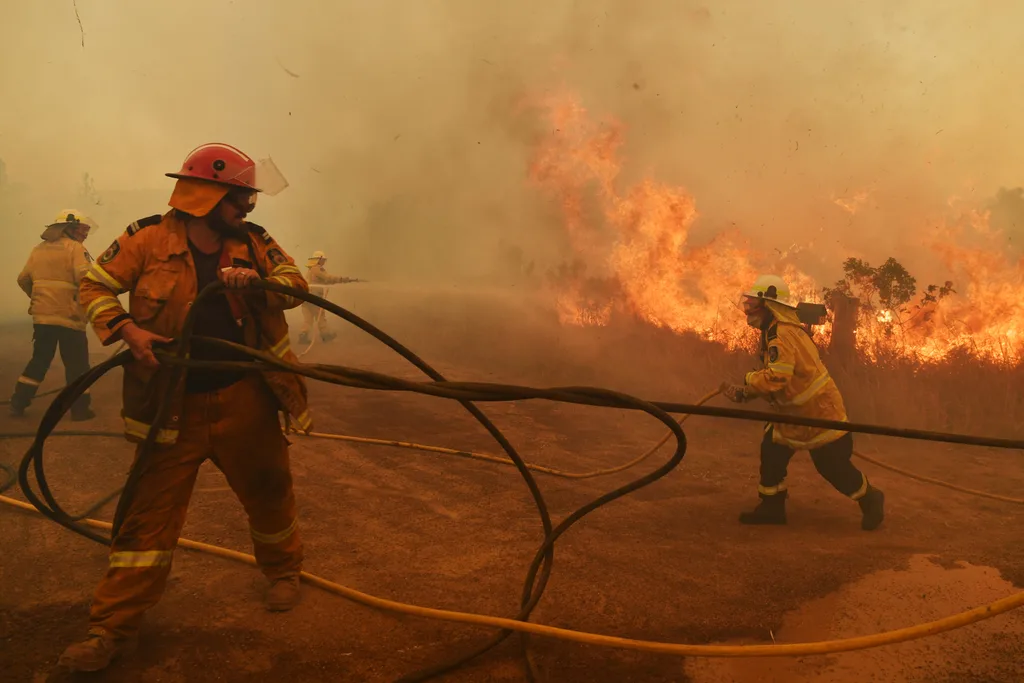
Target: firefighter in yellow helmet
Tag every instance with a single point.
(316, 274)
(795, 382)
(50, 278)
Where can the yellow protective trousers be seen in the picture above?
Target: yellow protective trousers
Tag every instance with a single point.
(238, 429)
(311, 314)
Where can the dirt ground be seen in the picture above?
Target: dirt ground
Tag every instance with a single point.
(669, 562)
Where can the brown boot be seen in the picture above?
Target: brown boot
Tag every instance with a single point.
(94, 653)
(283, 593)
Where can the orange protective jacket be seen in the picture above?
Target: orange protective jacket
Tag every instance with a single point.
(795, 382)
(152, 262)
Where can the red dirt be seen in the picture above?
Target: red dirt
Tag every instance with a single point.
(667, 563)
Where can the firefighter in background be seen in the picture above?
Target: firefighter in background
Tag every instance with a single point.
(795, 382)
(317, 275)
(229, 416)
(50, 278)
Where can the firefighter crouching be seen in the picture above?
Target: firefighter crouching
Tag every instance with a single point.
(795, 382)
(230, 417)
(317, 274)
(50, 278)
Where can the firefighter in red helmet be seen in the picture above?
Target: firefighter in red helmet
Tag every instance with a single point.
(229, 416)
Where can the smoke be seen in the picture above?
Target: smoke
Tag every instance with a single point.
(405, 128)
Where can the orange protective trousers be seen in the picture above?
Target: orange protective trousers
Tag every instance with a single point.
(238, 429)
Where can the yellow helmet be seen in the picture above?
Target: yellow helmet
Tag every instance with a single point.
(317, 258)
(771, 288)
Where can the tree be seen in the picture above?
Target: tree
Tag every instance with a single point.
(886, 291)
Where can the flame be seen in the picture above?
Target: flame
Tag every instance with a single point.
(632, 255)
(637, 238)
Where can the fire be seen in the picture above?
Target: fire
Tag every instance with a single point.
(632, 255)
(636, 238)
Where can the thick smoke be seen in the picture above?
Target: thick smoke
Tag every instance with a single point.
(406, 131)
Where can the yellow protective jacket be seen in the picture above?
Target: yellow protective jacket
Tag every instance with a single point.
(51, 277)
(151, 260)
(795, 382)
(318, 275)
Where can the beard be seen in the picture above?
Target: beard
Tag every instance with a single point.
(225, 229)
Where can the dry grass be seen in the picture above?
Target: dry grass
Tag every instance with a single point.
(516, 339)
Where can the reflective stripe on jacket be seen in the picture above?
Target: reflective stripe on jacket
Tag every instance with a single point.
(51, 277)
(795, 382)
(151, 260)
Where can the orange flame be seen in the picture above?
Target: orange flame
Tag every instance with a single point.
(637, 238)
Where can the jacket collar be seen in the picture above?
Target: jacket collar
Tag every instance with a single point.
(176, 243)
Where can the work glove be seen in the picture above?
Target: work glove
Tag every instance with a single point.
(733, 392)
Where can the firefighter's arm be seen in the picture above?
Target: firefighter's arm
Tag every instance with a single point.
(113, 273)
(280, 268)
(80, 262)
(25, 277)
(778, 370)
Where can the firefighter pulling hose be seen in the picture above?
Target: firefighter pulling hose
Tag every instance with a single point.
(794, 381)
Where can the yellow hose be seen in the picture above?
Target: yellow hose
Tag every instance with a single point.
(938, 482)
(823, 647)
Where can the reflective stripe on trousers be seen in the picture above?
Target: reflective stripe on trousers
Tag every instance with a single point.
(238, 428)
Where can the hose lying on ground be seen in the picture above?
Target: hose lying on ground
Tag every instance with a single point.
(464, 392)
(823, 647)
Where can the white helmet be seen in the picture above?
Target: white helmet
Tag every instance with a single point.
(317, 258)
(772, 288)
(69, 217)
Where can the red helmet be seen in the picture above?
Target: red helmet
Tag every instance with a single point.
(219, 163)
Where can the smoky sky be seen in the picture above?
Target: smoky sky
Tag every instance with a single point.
(402, 128)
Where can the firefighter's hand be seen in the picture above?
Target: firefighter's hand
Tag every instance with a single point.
(140, 342)
(237, 278)
(733, 392)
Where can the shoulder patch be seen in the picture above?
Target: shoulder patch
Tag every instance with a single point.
(262, 232)
(112, 251)
(773, 354)
(143, 223)
(276, 256)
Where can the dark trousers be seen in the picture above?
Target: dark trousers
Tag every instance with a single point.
(74, 353)
(831, 460)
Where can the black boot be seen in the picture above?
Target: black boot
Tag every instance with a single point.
(21, 398)
(771, 510)
(872, 506)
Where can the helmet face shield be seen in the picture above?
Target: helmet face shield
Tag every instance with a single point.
(269, 179)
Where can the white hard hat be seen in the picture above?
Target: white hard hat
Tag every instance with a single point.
(318, 255)
(69, 217)
(771, 288)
